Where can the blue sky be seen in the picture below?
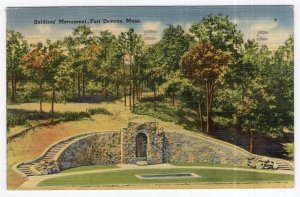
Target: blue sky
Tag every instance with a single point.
(249, 19)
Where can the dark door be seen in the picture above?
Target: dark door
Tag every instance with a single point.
(141, 146)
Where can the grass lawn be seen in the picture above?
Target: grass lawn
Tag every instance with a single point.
(88, 168)
(128, 177)
(208, 164)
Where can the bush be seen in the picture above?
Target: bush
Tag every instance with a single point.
(94, 111)
(72, 116)
(14, 120)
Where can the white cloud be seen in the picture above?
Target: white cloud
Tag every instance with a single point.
(275, 35)
(114, 28)
(152, 31)
(43, 29)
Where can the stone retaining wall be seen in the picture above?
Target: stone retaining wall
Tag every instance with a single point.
(179, 148)
(162, 147)
(102, 148)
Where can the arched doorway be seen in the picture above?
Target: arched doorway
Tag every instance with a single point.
(141, 146)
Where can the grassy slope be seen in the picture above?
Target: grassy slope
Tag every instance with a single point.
(127, 177)
(26, 148)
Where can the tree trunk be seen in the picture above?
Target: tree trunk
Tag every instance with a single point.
(125, 102)
(200, 114)
(13, 88)
(78, 86)
(83, 84)
(124, 83)
(209, 98)
(117, 90)
(154, 97)
(251, 138)
(105, 91)
(130, 83)
(53, 99)
(173, 97)
(133, 95)
(41, 97)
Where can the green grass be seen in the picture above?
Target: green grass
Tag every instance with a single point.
(88, 168)
(289, 147)
(208, 164)
(165, 112)
(128, 177)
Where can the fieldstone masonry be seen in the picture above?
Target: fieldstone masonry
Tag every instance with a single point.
(157, 146)
(101, 148)
(154, 142)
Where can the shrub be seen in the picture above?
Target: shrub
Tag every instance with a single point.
(14, 120)
(94, 111)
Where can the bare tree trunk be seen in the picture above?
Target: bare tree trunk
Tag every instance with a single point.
(83, 84)
(41, 97)
(200, 114)
(117, 89)
(53, 99)
(154, 97)
(78, 85)
(251, 138)
(13, 88)
(209, 98)
(125, 103)
(105, 91)
(173, 97)
(130, 82)
(124, 84)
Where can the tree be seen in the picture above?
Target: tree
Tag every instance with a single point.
(220, 31)
(56, 57)
(64, 78)
(121, 45)
(172, 46)
(253, 109)
(77, 46)
(16, 48)
(224, 35)
(134, 45)
(106, 59)
(281, 75)
(35, 63)
(204, 64)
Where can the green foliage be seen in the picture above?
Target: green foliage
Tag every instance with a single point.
(94, 111)
(220, 31)
(14, 120)
(290, 149)
(245, 87)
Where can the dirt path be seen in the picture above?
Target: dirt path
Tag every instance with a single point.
(32, 182)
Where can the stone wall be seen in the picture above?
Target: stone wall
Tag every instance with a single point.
(102, 148)
(154, 142)
(162, 147)
(179, 148)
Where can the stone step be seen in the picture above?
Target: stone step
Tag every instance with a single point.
(25, 170)
(283, 166)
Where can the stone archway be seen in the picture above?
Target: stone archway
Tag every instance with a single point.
(141, 146)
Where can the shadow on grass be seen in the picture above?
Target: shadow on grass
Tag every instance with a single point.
(165, 112)
(17, 117)
(96, 99)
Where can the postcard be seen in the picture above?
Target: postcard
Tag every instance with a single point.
(150, 97)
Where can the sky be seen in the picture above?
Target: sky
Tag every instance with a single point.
(277, 21)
